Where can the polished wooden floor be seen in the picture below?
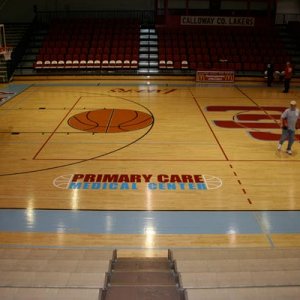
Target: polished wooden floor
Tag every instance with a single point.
(158, 166)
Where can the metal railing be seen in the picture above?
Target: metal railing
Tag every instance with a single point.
(286, 18)
(143, 16)
(2, 4)
(19, 51)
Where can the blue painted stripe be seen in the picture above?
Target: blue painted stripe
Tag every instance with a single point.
(10, 91)
(140, 222)
(15, 88)
(280, 222)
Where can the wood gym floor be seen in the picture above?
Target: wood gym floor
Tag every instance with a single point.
(146, 164)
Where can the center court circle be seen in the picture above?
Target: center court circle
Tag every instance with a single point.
(110, 120)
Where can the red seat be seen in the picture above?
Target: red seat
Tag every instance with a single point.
(83, 61)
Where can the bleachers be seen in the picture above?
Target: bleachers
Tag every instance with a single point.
(90, 44)
(113, 46)
(245, 49)
(190, 274)
(59, 274)
(238, 273)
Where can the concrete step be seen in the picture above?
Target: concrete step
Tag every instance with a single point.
(237, 265)
(204, 254)
(145, 264)
(49, 293)
(54, 265)
(52, 279)
(265, 293)
(58, 254)
(240, 279)
(143, 293)
(148, 278)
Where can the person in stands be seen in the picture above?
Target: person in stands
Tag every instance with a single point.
(288, 73)
(270, 74)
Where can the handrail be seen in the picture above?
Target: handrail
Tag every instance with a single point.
(144, 16)
(2, 3)
(286, 18)
(19, 50)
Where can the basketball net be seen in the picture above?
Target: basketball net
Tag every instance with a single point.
(6, 52)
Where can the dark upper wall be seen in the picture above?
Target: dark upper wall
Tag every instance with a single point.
(288, 7)
(22, 10)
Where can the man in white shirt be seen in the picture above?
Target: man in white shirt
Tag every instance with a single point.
(289, 123)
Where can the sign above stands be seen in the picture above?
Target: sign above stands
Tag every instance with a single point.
(217, 21)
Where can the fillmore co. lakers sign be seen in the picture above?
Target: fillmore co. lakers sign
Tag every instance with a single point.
(168, 182)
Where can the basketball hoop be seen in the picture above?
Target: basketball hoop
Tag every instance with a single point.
(6, 52)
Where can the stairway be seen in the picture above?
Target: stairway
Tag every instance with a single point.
(3, 70)
(142, 279)
(14, 34)
(25, 67)
(292, 45)
(148, 52)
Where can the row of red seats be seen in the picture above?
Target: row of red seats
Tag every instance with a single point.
(95, 62)
(221, 51)
(232, 58)
(90, 40)
(191, 62)
(213, 32)
(168, 64)
(86, 50)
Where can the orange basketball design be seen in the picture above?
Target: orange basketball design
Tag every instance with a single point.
(110, 120)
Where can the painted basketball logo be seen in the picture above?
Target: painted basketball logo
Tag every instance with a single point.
(212, 182)
(259, 122)
(110, 120)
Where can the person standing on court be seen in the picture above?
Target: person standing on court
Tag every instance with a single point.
(288, 73)
(289, 123)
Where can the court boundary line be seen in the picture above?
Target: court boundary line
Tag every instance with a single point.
(180, 160)
(209, 126)
(53, 132)
(154, 210)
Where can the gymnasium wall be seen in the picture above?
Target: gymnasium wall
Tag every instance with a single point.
(22, 10)
(288, 7)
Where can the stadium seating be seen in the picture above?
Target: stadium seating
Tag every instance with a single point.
(114, 45)
(257, 273)
(31, 273)
(246, 49)
(90, 44)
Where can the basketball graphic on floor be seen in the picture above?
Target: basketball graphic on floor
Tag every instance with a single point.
(110, 120)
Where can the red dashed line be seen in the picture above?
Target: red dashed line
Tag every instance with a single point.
(240, 183)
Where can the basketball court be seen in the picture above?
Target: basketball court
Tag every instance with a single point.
(151, 163)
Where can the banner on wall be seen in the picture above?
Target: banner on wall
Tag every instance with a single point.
(215, 76)
(217, 21)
